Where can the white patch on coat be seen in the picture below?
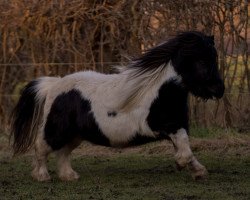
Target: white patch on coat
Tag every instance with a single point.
(45, 84)
(108, 92)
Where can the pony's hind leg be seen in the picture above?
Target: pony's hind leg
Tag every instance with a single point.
(65, 171)
(42, 150)
(184, 155)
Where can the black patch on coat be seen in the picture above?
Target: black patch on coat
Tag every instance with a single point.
(112, 114)
(70, 117)
(169, 111)
(143, 139)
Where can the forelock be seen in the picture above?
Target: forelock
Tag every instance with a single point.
(194, 42)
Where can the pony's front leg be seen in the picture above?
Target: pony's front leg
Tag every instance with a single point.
(184, 155)
(181, 144)
(197, 169)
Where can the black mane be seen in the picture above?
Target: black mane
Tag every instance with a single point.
(188, 42)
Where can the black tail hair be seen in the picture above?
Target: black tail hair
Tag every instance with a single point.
(25, 119)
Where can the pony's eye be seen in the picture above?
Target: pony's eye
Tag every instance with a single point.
(201, 64)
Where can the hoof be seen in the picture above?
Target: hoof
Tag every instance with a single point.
(182, 160)
(179, 167)
(41, 177)
(72, 176)
(200, 174)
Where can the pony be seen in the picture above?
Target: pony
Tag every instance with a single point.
(147, 100)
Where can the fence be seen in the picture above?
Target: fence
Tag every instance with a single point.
(232, 111)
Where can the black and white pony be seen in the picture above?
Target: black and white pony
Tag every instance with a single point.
(145, 101)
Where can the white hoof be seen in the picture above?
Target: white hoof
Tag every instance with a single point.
(40, 175)
(182, 160)
(200, 174)
(69, 176)
(198, 170)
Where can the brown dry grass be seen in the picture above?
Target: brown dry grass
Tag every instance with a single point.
(225, 143)
(228, 144)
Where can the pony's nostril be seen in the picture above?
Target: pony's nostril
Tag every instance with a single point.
(217, 90)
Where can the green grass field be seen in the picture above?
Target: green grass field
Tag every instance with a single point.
(143, 173)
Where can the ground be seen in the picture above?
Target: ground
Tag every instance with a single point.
(143, 173)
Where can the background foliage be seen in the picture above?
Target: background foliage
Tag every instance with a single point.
(58, 37)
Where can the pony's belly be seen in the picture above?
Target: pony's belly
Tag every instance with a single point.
(123, 128)
(119, 130)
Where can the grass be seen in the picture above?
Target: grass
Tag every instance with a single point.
(146, 173)
(212, 132)
(130, 176)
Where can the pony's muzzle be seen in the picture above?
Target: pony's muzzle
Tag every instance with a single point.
(217, 90)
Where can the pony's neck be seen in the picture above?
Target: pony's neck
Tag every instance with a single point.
(143, 88)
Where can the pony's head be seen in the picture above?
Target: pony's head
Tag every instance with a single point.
(195, 60)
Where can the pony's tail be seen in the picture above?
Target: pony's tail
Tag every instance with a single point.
(26, 116)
